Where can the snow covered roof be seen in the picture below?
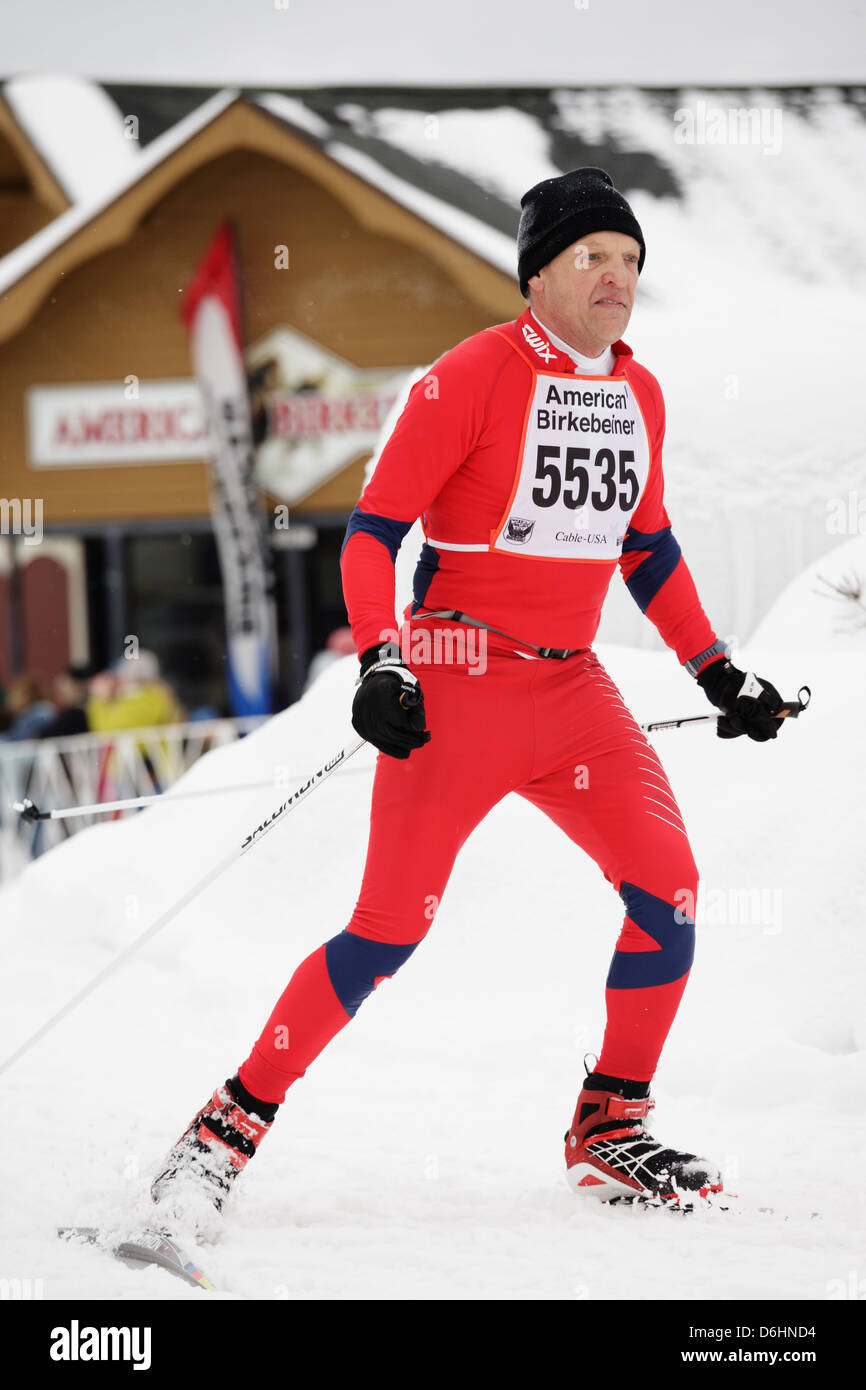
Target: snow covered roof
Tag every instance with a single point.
(470, 230)
(30, 253)
(405, 181)
(76, 128)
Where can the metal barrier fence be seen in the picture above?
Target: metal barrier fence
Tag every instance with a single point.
(89, 768)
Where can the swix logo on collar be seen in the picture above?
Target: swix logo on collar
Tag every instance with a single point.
(538, 344)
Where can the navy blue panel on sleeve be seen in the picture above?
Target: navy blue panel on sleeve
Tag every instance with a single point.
(384, 528)
(663, 558)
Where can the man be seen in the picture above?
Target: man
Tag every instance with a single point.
(532, 453)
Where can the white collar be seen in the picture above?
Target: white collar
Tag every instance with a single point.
(590, 366)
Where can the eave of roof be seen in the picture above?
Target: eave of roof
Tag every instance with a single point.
(45, 185)
(458, 232)
(17, 264)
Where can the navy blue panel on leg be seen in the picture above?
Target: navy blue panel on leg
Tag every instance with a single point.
(355, 963)
(667, 924)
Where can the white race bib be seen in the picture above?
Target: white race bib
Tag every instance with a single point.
(585, 462)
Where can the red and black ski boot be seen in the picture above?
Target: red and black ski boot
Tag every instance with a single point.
(610, 1153)
(216, 1146)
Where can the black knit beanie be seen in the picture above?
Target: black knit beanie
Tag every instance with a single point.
(557, 212)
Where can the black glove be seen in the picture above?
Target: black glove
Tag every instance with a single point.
(388, 708)
(748, 702)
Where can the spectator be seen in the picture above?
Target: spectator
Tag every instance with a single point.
(131, 695)
(70, 701)
(30, 709)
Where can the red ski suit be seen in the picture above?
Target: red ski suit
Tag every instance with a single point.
(533, 483)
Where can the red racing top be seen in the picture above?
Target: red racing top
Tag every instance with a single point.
(532, 482)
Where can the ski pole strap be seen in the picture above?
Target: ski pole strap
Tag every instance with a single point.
(794, 707)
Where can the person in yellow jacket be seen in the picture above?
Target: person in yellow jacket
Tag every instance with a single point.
(132, 696)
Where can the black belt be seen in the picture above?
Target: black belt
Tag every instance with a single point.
(454, 616)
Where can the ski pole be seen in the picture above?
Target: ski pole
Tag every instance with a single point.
(31, 813)
(790, 711)
(252, 839)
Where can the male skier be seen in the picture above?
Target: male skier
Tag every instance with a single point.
(532, 452)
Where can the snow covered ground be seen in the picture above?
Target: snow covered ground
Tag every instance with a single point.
(421, 1157)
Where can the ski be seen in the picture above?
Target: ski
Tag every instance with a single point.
(726, 1202)
(672, 1203)
(146, 1247)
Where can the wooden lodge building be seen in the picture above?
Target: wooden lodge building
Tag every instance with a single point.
(89, 321)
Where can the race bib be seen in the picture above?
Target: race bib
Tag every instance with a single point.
(584, 466)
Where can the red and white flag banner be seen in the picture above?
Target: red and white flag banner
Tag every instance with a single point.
(211, 311)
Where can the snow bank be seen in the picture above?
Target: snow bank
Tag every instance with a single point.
(823, 608)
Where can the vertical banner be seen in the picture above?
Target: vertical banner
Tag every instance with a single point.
(212, 314)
